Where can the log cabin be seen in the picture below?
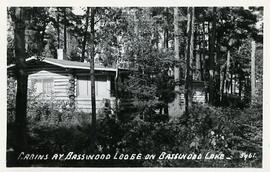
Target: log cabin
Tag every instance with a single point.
(69, 81)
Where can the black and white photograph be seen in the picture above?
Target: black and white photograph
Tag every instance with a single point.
(134, 86)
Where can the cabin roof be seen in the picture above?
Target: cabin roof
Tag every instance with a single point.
(66, 64)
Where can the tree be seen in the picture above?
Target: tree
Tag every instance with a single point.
(149, 83)
(212, 92)
(92, 73)
(35, 37)
(58, 27)
(253, 72)
(65, 31)
(18, 16)
(189, 56)
(228, 30)
(177, 101)
(85, 33)
(10, 39)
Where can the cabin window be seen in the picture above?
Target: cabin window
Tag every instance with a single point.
(102, 89)
(44, 86)
(84, 87)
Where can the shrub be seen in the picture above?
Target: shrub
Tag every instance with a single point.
(11, 99)
(207, 129)
(56, 128)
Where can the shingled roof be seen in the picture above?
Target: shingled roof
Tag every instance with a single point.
(67, 64)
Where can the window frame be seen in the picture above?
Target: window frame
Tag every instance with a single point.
(43, 81)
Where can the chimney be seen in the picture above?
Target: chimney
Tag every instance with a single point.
(60, 54)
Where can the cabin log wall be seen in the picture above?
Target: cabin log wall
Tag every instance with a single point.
(65, 85)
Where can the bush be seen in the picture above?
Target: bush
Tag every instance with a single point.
(11, 99)
(55, 128)
(207, 129)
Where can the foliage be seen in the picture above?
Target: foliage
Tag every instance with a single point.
(206, 129)
(150, 83)
(11, 99)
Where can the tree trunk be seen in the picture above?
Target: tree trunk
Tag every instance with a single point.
(201, 53)
(92, 74)
(240, 86)
(176, 104)
(189, 54)
(211, 59)
(166, 46)
(205, 72)
(58, 28)
(166, 110)
(65, 34)
(253, 76)
(85, 34)
(21, 74)
(218, 73)
(116, 93)
(223, 83)
(166, 29)
(136, 22)
(231, 83)
(227, 70)
(192, 56)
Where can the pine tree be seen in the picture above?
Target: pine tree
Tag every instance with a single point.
(189, 56)
(92, 74)
(85, 33)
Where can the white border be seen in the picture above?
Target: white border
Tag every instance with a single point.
(116, 3)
